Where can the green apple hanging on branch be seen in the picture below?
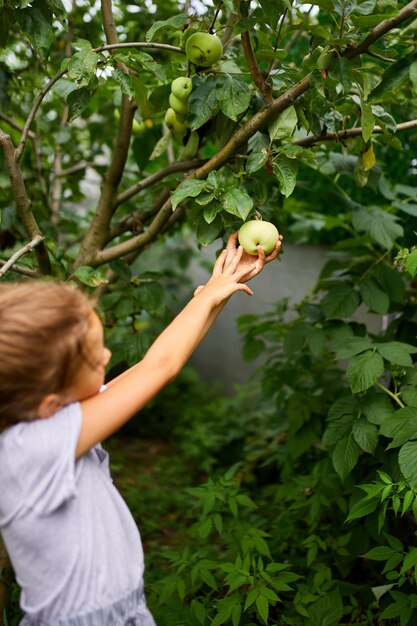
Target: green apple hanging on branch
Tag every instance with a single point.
(258, 233)
(203, 49)
(178, 128)
(181, 87)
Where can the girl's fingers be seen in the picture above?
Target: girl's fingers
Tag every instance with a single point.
(219, 264)
(234, 262)
(245, 288)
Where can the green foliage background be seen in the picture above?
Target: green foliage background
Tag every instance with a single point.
(301, 503)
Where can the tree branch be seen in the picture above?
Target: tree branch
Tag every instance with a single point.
(345, 134)
(141, 240)
(98, 232)
(27, 248)
(408, 11)
(257, 75)
(23, 203)
(180, 166)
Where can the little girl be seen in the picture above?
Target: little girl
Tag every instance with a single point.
(74, 545)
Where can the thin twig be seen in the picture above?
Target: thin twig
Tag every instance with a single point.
(351, 132)
(379, 56)
(27, 248)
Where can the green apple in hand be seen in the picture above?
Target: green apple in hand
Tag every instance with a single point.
(203, 49)
(182, 87)
(258, 233)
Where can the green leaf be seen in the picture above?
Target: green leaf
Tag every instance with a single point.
(381, 553)
(367, 120)
(377, 408)
(364, 370)
(176, 22)
(340, 301)
(364, 506)
(37, 26)
(189, 189)
(145, 108)
(285, 170)
(256, 160)
(401, 427)
(207, 233)
(345, 456)
(262, 606)
(407, 459)
(374, 297)
(393, 77)
(365, 435)
(90, 276)
(232, 95)
(202, 104)
(351, 347)
(82, 66)
(411, 263)
(77, 101)
(341, 69)
(396, 352)
(413, 75)
(237, 203)
(125, 83)
(284, 125)
(381, 226)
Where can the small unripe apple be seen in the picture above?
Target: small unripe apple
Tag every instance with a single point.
(203, 49)
(175, 126)
(258, 233)
(182, 87)
(180, 107)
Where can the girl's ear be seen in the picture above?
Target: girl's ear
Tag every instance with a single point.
(49, 405)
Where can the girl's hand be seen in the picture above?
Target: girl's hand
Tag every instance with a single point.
(228, 276)
(254, 265)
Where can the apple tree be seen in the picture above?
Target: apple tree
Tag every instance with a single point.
(190, 118)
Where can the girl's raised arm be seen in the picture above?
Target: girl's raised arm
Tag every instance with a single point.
(104, 413)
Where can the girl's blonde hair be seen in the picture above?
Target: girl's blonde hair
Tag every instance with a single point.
(43, 326)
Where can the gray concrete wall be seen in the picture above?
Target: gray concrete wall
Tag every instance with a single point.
(292, 276)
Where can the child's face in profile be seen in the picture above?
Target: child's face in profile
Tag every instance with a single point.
(91, 374)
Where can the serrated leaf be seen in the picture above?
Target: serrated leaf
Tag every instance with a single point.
(176, 22)
(125, 83)
(396, 352)
(340, 301)
(207, 233)
(232, 95)
(202, 104)
(237, 203)
(90, 276)
(364, 506)
(286, 171)
(367, 123)
(393, 77)
(37, 26)
(364, 370)
(256, 160)
(401, 427)
(351, 347)
(284, 125)
(77, 101)
(374, 297)
(160, 147)
(411, 263)
(345, 456)
(407, 459)
(381, 553)
(189, 189)
(365, 435)
(381, 226)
